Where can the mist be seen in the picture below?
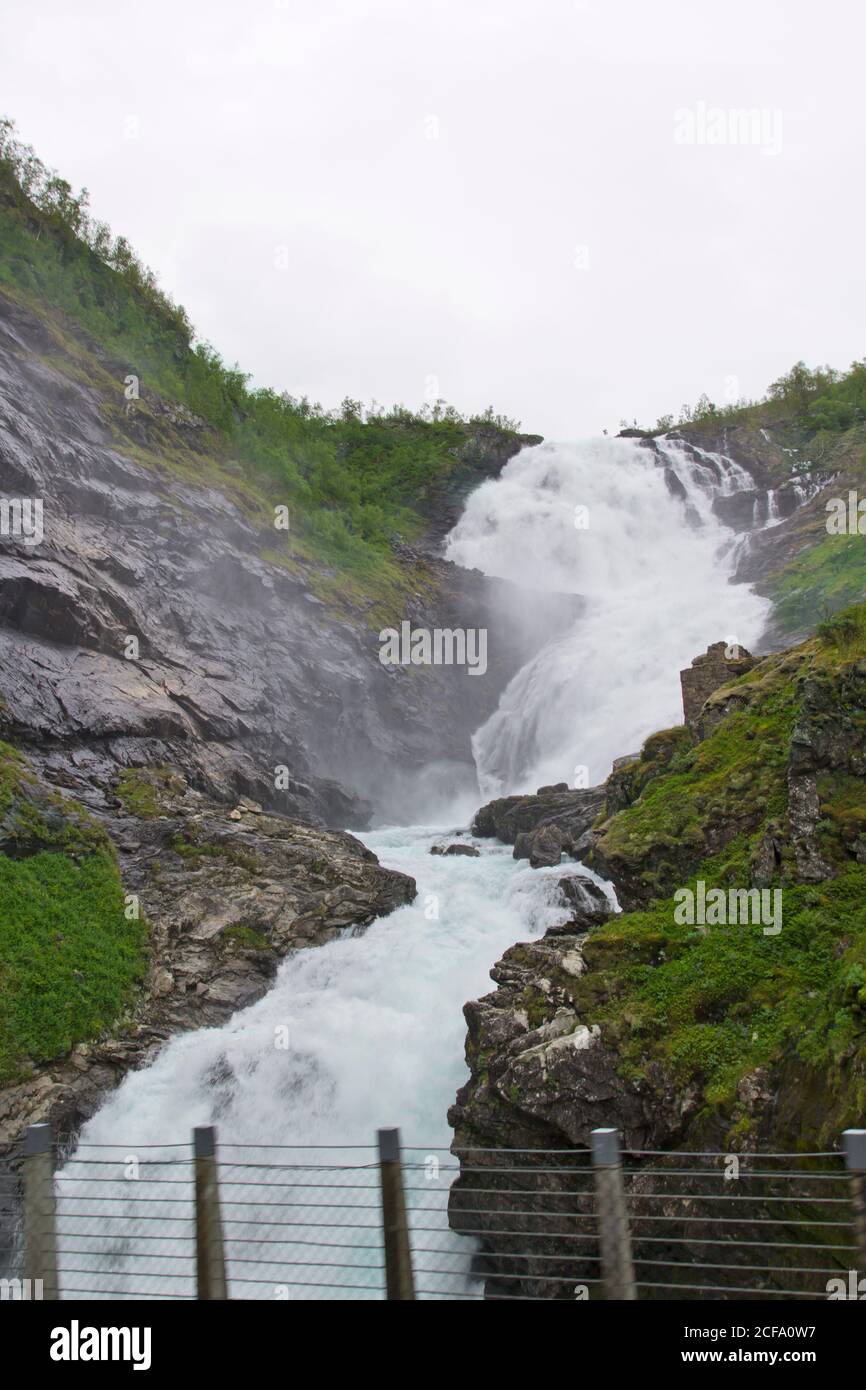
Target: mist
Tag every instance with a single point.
(555, 210)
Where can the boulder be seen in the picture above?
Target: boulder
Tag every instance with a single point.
(718, 666)
(546, 849)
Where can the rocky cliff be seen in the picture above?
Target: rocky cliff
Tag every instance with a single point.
(206, 704)
(167, 912)
(157, 623)
(796, 469)
(709, 1032)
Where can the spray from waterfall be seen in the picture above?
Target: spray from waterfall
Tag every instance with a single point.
(374, 1022)
(632, 530)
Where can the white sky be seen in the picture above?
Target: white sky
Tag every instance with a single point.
(415, 263)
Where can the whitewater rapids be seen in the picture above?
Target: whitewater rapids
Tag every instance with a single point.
(601, 520)
(374, 1022)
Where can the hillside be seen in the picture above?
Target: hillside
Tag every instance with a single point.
(189, 666)
(804, 444)
(167, 635)
(710, 1033)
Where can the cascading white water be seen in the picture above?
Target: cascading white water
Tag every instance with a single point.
(375, 1022)
(651, 560)
(375, 1039)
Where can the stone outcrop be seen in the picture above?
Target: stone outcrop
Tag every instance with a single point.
(227, 894)
(592, 1025)
(718, 666)
(543, 826)
(539, 1079)
(155, 624)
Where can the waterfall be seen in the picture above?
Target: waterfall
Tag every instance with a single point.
(633, 532)
(375, 1040)
(374, 1022)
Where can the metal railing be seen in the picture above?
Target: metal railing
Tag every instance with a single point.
(257, 1221)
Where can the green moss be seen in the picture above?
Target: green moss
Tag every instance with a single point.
(829, 574)
(536, 1005)
(12, 772)
(69, 959)
(719, 1002)
(247, 938)
(138, 794)
(701, 1007)
(726, 788)
(190, 846)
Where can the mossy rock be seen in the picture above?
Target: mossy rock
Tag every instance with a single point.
(72, 949)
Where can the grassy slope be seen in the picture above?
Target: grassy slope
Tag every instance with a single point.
(828, 572)
(352, 484)
(817, 573)
(70, 960)
(701, 1008)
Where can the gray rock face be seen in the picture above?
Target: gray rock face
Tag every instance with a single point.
(533, 1085)
(546, 847)
(708, 672)
(544, 826)
(227, 895)
(240, 668)
(588, 900)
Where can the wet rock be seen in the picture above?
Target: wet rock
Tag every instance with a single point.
(546, 848)
(469, 851)
(588, 902)
(509, 817)
(150, 627)
(225, 902)
(539, 1078)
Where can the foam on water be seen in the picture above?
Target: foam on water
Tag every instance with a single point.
(652, 563)
(375, 1024)
(376, 1036)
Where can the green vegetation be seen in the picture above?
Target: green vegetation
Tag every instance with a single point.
(817, 399)
(350, 478)
(845, 632)
(245, 938)
(138, 794)
(714, 796)
(69, 958)
(824, 577)
(192, 847)
(701, 1007)
(709, 1005)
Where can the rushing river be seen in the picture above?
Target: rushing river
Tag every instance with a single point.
(368, 1031)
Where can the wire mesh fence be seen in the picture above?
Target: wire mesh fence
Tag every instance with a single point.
(270, 1222)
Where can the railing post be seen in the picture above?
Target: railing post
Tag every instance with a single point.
(209, 1255)
(40, 1252)
(399, 1282)
(614, 1236)
(854, 1141)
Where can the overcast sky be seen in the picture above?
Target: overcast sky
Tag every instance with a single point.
(488, 200)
